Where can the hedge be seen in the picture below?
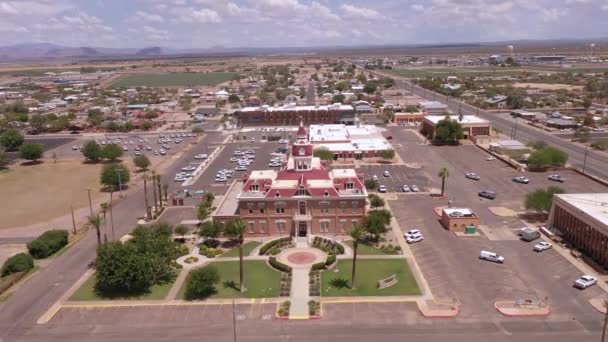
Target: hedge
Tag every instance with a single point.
(318, 266)
(48, 243)
(18, 263)
(323, 264)
(10, 280)
(273, 243)
(279, 265)
(330, 260)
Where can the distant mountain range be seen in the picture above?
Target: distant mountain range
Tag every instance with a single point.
(42, 51)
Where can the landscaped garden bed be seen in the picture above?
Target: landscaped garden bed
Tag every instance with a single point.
(283, 310)
(368, 248)
(327, 246)
(314, 309)
(314, 289)
(275, 247)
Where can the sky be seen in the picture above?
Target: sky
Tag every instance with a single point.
(295, 23)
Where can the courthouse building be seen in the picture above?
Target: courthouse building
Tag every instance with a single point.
(291, 115)
(303, 197)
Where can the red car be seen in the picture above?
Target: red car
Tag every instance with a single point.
(390, 137)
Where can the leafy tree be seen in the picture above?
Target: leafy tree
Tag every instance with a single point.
(37, 122)
(94, 117)
(141, 162)
(31, 152)
(537, 145)
(11, 139)
(338, 98)
(92, 151)
(121, 269)
(447, 132)
(375, 224)
(234, 98)
(588, 121)
(201, 282)
(235, 230)
(582, 134)
(371, 184)
(587, 102)
(323, 153)
(376, 201)
(211, 230)
(111, 152)
(541, 200)
(156, 243)
(411, 109)
(3, 159)
(388, 154)
(548, 156)
(202, 211)
(342, 86)
(370, 87)
(110, 175)
(356, 233)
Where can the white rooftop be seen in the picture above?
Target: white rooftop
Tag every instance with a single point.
(340, 132)
(293, 107)
(432, 105)
(458, 211)
(263, 174)
(594, 205)
(357, 145)
(466, 119)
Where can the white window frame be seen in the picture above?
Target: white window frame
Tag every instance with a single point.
(251, 227)
(263, 227)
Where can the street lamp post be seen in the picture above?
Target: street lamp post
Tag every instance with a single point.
(585, 162)
(118, 171)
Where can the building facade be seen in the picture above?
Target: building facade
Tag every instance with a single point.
(356, 142)
(304, 197)
(458, 219)
(582, 219)
(472, 125)
(291, 115)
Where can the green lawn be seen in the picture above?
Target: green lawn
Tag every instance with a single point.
(87, 292)
(178, 79)
(247, 248)
(261, 281)
(462, 72)
(365, 249)
(368, 273)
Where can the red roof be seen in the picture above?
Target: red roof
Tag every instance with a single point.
(301, 132)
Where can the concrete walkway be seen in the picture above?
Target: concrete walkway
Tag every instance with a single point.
(299, 294)
(181, 278)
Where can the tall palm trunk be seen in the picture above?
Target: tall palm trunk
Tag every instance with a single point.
(442, 185)
(160, 194)
(111, 214)
(146, 197)
(355, 245)
(241, 280)
(154, 188)
(166, 189)
(105, 228)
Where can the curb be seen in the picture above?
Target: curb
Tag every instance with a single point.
(439, 316)
(523, 314)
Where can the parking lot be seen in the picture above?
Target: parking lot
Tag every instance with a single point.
(450, 264)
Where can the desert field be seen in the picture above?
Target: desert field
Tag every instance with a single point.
(547, 86)
(174, 79)
(35, 193)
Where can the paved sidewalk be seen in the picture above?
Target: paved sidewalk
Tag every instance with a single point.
(178, 284)
(299, 294)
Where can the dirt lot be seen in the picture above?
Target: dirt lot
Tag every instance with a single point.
(41, 192)
(547, 86)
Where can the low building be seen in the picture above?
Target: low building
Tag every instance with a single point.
(433, 107)
(362, 107)
(530, 116)
(406, 117)
(302, 198)
(582, 219)
(290, 115)
(472, 125)
(350, 142)
(509, 147)
(458, 219)
(562, 123)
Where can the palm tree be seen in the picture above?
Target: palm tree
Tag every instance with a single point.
(154, 192)
(166, 190)
(235, 231)
(104, 208)
(146, 196)
(356, 233)
(443, 173)
(160, 194)
(95, 222)
(111, 213)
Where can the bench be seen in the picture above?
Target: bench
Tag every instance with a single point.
(387, 282)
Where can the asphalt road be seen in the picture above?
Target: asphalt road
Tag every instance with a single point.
(310, 94)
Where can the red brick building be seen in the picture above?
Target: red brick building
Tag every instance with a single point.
(290, 115)
(304, 197)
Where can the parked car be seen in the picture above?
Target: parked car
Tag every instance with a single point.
(491, 256)
(386, 174)
(472, 176)
(221, 179)
(487, 194)
(375, 177)
(556, 178)
(412, 232)
(414, 188)
(382, 188)
(542, 246)
(414, 239)
(585, 281)
(491, 158)
(405, 188)
(203, 156)
(521, 179)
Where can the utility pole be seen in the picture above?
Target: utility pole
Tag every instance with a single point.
(605, 320)
(111, 215)
(73, 221)
(234, 320)
(90, 205)
(118, 171)
(585, 161)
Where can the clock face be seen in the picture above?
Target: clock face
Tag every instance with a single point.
(301, 151)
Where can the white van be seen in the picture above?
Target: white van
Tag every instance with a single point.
(489, 256)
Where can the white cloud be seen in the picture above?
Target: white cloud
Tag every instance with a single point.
(553, 14)
(148, 17)
(322, 11)
(359, 12)
(201, 16)
(417, 7)
(8, 8)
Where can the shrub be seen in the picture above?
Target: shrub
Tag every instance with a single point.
(318, 266)
(201, 283)
(183, 250)
(18, 263)
(48, 243)
(330, 260)
(279, 265)
(274, 243)
(203, 249)
(31, 152)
